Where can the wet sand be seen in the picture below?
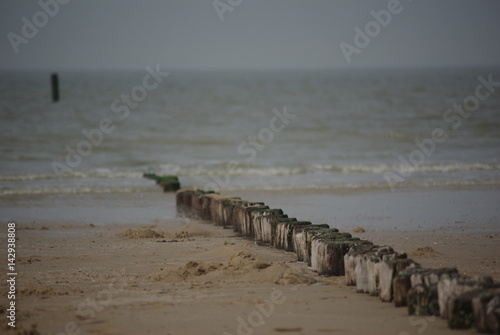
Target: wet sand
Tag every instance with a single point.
(118, 268)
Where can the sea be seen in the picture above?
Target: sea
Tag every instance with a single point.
(249, 130)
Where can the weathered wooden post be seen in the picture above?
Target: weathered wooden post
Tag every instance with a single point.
(55, 87)
(328, 250)
(301, 239)
(388, 269)
(452, 285)
(486, 306)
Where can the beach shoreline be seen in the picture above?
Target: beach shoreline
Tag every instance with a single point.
(81, 269)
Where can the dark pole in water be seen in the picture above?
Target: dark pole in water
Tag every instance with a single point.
(55, 87)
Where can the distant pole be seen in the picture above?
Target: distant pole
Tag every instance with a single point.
(55, 87)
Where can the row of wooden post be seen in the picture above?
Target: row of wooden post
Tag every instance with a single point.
(377, 270)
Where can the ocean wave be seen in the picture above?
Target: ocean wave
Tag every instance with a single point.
(71, 190)
(382, 168)
(256, 187)
(252, 170)
(72, 175)
(338, 168)
(366, 186)
(233, 169)
(244, 171)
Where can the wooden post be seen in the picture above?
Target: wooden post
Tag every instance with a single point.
(55, 87)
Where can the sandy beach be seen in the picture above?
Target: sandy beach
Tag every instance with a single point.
(359, 137)
(143, 271)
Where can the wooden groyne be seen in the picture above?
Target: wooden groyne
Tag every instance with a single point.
(167, 183)
(380, 271)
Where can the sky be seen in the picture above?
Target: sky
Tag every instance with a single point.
(248, 34)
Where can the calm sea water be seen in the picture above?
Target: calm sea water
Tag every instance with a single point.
(248, 130)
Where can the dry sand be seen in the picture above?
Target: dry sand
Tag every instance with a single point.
(188, 277)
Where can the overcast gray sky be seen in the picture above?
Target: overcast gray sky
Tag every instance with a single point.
(189, 34)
